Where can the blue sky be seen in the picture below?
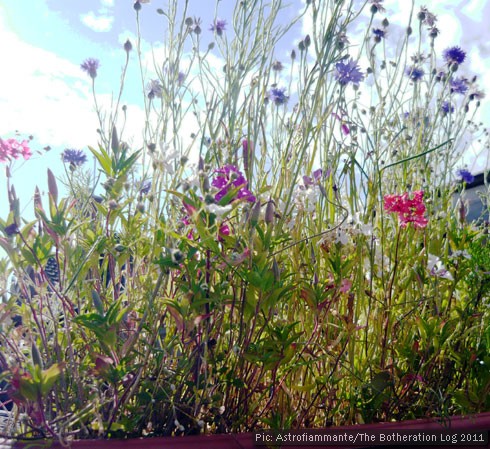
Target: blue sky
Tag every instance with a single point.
(44, 92)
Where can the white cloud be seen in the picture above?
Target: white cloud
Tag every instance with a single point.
(97, 23)
(107, 3)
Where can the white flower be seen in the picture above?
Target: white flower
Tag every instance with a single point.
(461, 253)
(217, 210)
(437, 268)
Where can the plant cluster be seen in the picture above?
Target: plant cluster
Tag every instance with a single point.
(296, 261)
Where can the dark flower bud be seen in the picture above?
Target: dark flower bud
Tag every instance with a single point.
(301, 46)
(409, 31)
(140, 207)
(293, 55)
(137, 5)
(307, 41)
(189, 22)
(374, 9)
(197, 29)
(385, 22)
(128, 46)
(113, 205)
(421, 16)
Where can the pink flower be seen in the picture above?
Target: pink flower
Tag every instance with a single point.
(345, 285)
(409, 210)
(11, 148)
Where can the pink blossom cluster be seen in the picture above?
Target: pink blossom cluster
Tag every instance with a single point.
(12, 149)
(409, 210)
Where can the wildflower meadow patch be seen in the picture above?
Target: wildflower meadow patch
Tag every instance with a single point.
(294, 259)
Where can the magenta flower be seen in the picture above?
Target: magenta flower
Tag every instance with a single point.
(230, 178)
(409, 210)
(12, 149)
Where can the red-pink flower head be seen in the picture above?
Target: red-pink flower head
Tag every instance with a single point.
(409, 210)
(12, 149)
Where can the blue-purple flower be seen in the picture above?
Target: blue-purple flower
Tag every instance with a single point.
(447, 107)
(90, 66)
(74, 157)
(459, 85)
(349, 72)
(278, 96)
(454, 55)
(154, 89)
(378, 34)
(414, 73)
(465, 175)
(230, 178)
(145, 188)
(218, 26)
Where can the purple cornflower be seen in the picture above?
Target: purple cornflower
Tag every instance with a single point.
(414, 73)
(90, 66)
(145, 188)
(74, 157)
(229, 177)
(459, 85)
(218, 26)
(349, 72)
(278, 96)
(447, 107)
(154, 89)
(465, 175)
(378, 34)
(454, 55)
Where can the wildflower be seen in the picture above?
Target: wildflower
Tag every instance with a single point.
(11, 229)
(277, 66)
(408, 210)
(459, 85)
(477, 95)
(218, 26)
(454, 55)
(426, 17)
(376, 6)
(90, 66)
(12, 148)
(437, 268)
(74, 157)
(145, 188)
(349, 72)
(465, 175)
(317, 175)
(128, 46)
(278, 96)
(230, 178)
(447, 108)
(217, 210)
(154, 89)
(414, 73)
(379, 34)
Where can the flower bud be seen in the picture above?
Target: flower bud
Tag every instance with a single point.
(269, 212)
(255, 213)
(128, 46)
